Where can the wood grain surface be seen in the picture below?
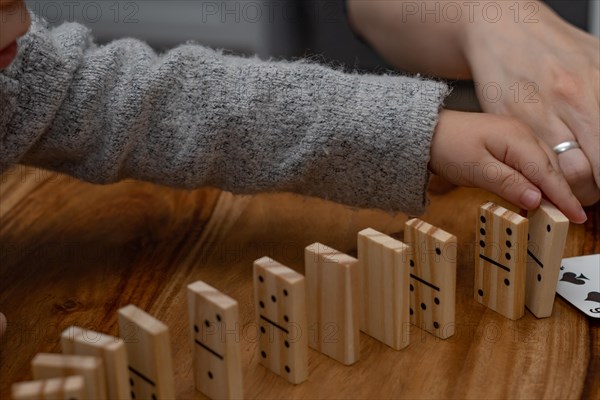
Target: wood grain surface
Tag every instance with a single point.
(73, 253)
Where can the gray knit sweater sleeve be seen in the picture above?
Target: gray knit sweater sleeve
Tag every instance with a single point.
(194, 117)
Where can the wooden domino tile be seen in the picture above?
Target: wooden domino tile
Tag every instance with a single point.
(148, 353)
(280, 296)
(548, 228)
(432, 270)
(47, 365)
(111, 350)
(384, 305)
(66, 388)
(214, 328)
(500, 261)
(332, 282)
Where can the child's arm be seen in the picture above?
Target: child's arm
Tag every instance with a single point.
(195, 117)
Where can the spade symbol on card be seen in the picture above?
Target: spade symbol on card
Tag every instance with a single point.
(572, 278)
(593, 296)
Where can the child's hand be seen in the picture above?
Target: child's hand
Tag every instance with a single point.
(502, 155)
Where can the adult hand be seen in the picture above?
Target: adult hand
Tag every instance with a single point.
(526, 62)
(534, 66)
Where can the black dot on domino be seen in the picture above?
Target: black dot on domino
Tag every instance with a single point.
(411, 312)
(285, 292)
(131, 382)
(286, 319)
(287, 369)
(206, 323)
(412, 288)
(262, 329)
(436, 301)
(263, 354)
(287, 344)
(423, 306)
(480, 292)
(436, 325)
(508, 231)
(261, 304)
(260, 278)
(153, 396)
(273, 299)
(438, 251)
(482, 243)
(508, 244)
(539, 278)
(196, 329)
(482, 231)
(132, 394)
(412, 263)
(218, 317)
(507, 282)
(507, 255)
(210, 375)
(548, 228)
(482, 219)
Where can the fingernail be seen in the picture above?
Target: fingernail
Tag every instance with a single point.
(531, 198)
(583, 215)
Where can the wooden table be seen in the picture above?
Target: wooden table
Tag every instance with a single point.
(73, 253)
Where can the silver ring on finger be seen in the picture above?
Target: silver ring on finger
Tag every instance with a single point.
(566, 146)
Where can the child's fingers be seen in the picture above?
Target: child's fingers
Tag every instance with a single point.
(508, 183)
(537, 169)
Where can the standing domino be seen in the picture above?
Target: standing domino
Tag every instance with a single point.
(280, 296)
(67, 388)
(148, 354)
(332, 280)
(383, 265)
(548, 229)
(500, 262)
(432, 287)
(216, 357)
(111, 350)
(47, 365)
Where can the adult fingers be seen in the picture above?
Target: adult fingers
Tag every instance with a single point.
(531, 166)
(574, 164)
(577, 170)
(582, 117)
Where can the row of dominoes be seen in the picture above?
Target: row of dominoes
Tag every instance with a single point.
(390, 286)
(324, 310)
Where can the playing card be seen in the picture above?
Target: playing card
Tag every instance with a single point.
(579, 283)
